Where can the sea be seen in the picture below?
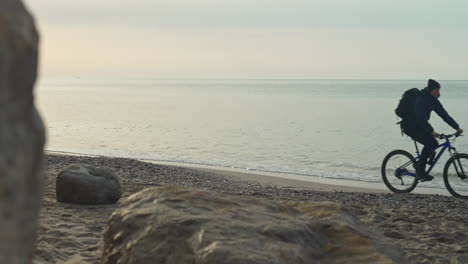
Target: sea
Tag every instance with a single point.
(335, 129)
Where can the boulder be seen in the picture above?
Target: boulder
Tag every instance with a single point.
(178, 225)
(81, 184)
(22, 135)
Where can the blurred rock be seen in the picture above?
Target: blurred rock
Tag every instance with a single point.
(22, 135)
(178, 225)
(81, 184)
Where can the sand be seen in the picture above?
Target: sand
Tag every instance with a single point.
(428, 228)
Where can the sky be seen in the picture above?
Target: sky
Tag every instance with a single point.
(307, 39)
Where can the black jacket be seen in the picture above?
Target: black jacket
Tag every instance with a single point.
(423, 107)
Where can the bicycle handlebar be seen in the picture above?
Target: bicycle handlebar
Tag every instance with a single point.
(443, 136)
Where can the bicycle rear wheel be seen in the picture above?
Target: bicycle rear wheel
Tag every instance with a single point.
(398, 171)
(456, 175)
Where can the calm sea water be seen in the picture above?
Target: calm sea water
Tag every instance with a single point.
(325, 128)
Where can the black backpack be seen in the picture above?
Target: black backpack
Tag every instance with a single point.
(405, 108)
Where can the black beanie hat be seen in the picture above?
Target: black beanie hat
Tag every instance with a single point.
(431, 85)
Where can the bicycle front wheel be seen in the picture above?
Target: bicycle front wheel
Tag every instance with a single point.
(456, 175)
(398, 171)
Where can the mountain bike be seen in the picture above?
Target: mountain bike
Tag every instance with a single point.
(399, 173)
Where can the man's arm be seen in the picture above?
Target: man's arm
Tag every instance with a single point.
(439, 109)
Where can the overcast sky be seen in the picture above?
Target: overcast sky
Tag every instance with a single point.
(319, 39)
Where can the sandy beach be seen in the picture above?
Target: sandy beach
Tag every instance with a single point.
(428, 228)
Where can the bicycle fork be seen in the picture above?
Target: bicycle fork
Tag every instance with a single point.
(460, 172)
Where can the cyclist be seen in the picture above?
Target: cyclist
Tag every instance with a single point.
(419, 128)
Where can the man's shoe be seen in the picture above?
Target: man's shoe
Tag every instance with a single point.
(422, 176)
(426, 177)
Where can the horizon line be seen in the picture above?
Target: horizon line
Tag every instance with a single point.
(250, 78)
(313, 79)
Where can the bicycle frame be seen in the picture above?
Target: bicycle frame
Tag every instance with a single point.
(446, 145)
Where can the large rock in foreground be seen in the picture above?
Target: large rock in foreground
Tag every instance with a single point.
(22, 134)
(177, 225)
(81, 184)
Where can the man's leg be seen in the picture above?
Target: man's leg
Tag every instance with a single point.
(430, 143)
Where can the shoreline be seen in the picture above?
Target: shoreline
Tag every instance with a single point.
(283, 180)
(301, 182)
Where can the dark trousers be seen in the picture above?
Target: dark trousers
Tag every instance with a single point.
(429, 142)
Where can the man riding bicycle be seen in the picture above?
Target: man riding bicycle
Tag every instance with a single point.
(419, 129)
